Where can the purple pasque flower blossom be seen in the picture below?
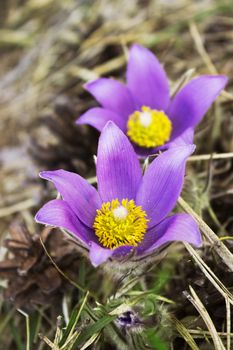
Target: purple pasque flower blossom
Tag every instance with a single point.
(143, 108)
(129, 210)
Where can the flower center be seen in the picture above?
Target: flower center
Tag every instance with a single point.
(119, 224)
(149, 128)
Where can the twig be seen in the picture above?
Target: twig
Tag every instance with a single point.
(228, 323)
(194, 299)
(184, 332)
(201, 333)
(28, 203)
(209, 274)
(204, 55)
(27, 328)
(209, 156)
(219, 247)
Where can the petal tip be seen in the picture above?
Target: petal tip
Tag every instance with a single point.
(186, 150)
(78, 121)
(43, 174)
(189, 147)
(98, 255)
(36, 218)
(89, 84)
(39, 216)
(81, 120)
(92, 83)
(220, 79)
(110, 125)
(136, 47)
(139, 49)
(225, 80)
(192, 148)
(198, 242)
(47, 174)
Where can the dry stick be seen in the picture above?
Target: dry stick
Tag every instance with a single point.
(219, 247)
(194, 299)
(26, 204)
(228, 323)
(198, 333)
(219, 286)
(204, 55)
(27, 328)
(48, 342)
(210, 156)
(209, 274)
(200, 48)
(185, 333)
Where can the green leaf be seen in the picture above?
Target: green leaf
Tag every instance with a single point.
(93, 329)
(17, 337)
(155, 341)
(73, 320)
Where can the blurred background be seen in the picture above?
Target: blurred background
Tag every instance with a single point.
(49, 49)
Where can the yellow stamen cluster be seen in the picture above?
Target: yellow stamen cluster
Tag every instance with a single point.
(149, 128)
(119, 224)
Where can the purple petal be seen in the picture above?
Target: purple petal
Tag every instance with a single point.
(57, 213)
(142, 153)
(179, 227)
(98, 117)
(186, 138)
(147, 79)
(98, 255)
(193, 101)
(118, 169)
(112, 95)
(122, 251)
(162, 183)
(82, 198)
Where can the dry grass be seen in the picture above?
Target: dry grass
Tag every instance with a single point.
(49, 48)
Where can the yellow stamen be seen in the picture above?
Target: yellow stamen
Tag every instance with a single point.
(149, 128)
(119, 224)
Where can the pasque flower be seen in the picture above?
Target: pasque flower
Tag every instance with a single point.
(129, 210)
(143, 108)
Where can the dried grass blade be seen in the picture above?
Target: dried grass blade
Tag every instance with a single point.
(184, 332)
(194, 299)
(228, 323)
(218, 246)
(209, 274)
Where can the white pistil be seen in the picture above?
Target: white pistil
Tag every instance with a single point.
(120, 213)
(145, 119)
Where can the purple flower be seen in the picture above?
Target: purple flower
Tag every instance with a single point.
(143, 108)
(129, 210)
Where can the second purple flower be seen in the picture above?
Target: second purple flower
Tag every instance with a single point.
(143, 108)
